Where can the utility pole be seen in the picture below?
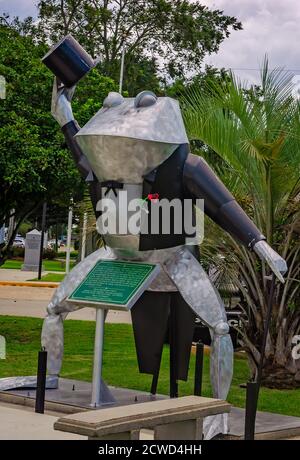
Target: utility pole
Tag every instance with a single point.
(83, 241)
(69, 235)
(122, 68)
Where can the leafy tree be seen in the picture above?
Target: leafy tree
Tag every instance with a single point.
(174, 34)
(256, 135)
(180, 86)
(140, 73)
(35, 164)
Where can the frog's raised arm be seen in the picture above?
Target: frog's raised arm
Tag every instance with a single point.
(61, 110)
(219, 204)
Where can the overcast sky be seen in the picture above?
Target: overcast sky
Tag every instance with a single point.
(270, 26)
(20, 8)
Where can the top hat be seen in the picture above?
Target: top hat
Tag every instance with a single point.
(68, 61)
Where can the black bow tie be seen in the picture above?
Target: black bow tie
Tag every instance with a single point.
(112, 185)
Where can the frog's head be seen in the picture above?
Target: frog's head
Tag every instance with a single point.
(129, 137)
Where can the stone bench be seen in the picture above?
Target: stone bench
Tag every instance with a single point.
(170, 419)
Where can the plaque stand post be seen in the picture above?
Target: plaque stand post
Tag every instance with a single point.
(98, 351)
(110, 284)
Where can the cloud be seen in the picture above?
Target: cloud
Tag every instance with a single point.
(270, 27)
(21, 8)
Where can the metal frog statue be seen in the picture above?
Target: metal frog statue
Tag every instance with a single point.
(140, 145)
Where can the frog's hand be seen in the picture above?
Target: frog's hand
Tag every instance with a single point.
(272, 258)
(61, 108)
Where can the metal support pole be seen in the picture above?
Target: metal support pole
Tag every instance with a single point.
(98, 352)
(251, 408)
(254, 387)
(42, 240)
(41, 382)
(122, 69)
(173, 353)
(69, 235)
(83, 241)
(198, 369)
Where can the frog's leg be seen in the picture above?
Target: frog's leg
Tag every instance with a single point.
(53, 333)
(197, 290)
(58, 308)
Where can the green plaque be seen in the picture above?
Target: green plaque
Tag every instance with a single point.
(114, 284)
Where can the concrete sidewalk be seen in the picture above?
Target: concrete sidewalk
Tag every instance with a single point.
(23, 424)
(33, 301)
(10, 274)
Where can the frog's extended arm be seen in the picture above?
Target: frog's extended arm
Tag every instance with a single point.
(69, 130)
(61, 110)
(201, 182)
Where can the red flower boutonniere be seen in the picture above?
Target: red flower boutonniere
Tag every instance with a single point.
(153, 197)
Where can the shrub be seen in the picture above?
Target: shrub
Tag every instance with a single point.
(18, 252)
(50, 254)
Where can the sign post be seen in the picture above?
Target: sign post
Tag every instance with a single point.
(69, 236)
(98, 352)
(111, 284)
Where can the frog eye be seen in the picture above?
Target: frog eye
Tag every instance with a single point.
(112, 100)
(145, 99)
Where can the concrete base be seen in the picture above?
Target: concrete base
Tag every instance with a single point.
(31, 268)
(78, 393)
(268, 425)
(74, 396)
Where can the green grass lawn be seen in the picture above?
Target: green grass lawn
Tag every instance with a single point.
(52, 277)
(120, 363)
(49, 265)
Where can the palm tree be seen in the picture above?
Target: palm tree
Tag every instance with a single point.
(93, 239)
(256, 136)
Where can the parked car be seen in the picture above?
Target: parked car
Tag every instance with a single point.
(51, 244)
(19, 242)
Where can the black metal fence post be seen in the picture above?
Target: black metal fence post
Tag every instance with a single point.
(41, 382)
(251, 408)
(254, 387)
